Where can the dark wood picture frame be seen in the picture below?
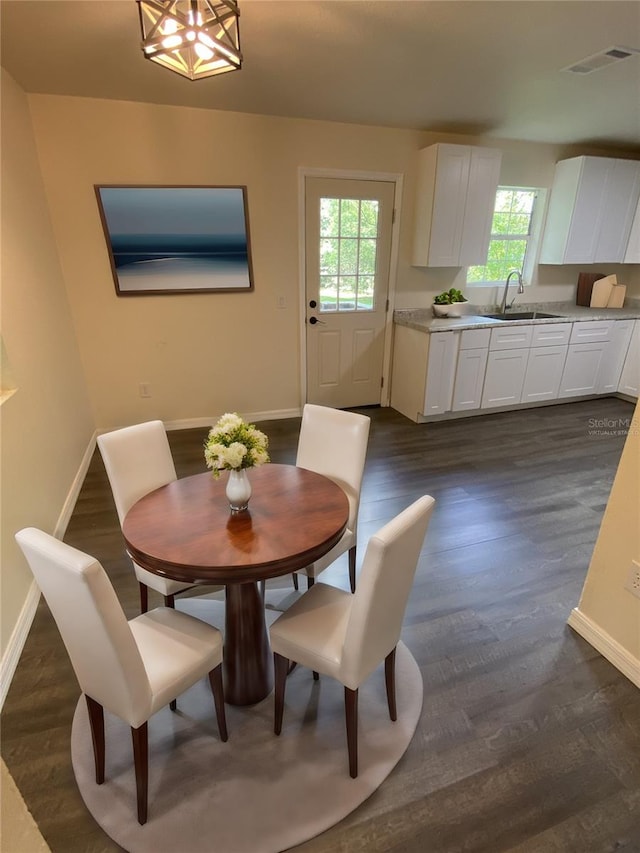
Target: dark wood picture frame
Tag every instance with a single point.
(176, 239)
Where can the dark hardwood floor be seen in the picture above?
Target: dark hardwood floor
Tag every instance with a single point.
(529, 740)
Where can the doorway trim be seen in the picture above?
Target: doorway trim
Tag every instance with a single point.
(348, 174)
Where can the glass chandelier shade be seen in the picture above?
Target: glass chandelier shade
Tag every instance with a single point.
(194, 38)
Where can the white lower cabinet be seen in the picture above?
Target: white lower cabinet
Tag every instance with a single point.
(615, 354)
(441, 368)
(544, 372)
(592, 331)
(472, 363)
(630, 377)
(504, 377)
(504, 366)
(467, 392)
(547, 356)
(582, 369)
(596, 354)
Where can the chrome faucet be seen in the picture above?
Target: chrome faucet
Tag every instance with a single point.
(503, 306)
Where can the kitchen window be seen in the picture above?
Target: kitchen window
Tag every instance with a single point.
(512, 231)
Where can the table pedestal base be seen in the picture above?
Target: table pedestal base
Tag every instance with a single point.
(247, 666)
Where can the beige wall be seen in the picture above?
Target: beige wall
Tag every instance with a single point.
(47, 424)
(204, 354)
(605, 603)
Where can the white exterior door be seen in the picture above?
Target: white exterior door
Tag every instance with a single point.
(347, 247)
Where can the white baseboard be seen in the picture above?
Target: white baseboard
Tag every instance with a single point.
(21, 630)
(609, 648)
(74, 491)
(196, 423)
(17, 640)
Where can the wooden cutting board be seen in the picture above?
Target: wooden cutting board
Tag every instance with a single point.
(585, 286)
(616, 297)
(602, 291)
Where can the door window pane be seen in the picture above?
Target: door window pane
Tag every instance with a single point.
(348, 252)
(365, 293)
(349, 217)
(368, 218)
(328, 293)
(329, 257)
(348, 256)
(329, 217)
(347, 293)
(367, 260)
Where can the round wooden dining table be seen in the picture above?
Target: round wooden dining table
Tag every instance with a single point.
(186, 531)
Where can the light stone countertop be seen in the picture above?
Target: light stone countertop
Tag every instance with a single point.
(423, 320)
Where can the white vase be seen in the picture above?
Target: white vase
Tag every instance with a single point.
(238, 490)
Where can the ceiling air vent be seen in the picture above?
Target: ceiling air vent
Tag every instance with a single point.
(601, 60)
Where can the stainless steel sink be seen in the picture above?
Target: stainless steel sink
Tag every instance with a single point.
(520, 315)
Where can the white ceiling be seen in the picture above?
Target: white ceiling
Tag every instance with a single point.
(459, 66)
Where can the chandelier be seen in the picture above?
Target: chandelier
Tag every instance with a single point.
(194, 38)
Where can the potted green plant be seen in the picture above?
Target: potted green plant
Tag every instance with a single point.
(448, 303)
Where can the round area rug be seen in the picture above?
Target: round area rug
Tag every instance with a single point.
(257, 793)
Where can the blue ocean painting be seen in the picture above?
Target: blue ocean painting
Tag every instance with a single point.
(177, 238)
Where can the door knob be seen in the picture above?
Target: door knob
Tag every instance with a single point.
(314, 320)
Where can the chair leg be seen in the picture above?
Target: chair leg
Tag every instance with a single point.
(316, 677)
(352, 568)
(310, 581)
(351, 714)
(281, 668)
(173, 704)
(169, 601)
(144, 597)
(215, 680)
(262, 586)
(141, 763)
(96, 722)
(390, 682)
(294, 578)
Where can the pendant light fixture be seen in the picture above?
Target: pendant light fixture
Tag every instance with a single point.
(194, 38)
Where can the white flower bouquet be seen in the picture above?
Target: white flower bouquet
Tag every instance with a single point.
(233, 444)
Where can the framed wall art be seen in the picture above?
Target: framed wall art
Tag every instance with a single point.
(169, 239)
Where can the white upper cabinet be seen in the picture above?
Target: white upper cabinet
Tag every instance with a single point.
(632, 255)
(455, 198)
(592, 205)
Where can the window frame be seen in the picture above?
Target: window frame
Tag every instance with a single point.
(357, 303)
(531, 239)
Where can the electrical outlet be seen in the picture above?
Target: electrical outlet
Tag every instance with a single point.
(282, 302)
(633, 581)
(145, 389)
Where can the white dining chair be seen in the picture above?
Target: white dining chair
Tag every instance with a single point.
(130, 668)
(334, 442)
(347, 636)
(138, 460)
